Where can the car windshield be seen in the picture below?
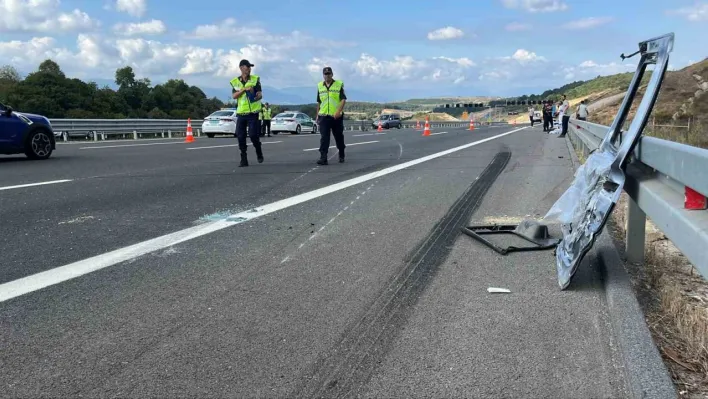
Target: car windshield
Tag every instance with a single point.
(285, 116)
(384, 117)
(222, 113)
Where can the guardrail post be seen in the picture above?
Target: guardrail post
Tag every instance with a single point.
(169, 133)
(135, 135)
(95, 135)
(636, 230)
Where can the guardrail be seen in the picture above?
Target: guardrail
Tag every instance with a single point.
(657, 178)
(99, 129)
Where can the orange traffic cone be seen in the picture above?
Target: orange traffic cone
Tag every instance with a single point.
(190, 136)
(471, 124)
(380, 129)
(417, 125)
(426, 131)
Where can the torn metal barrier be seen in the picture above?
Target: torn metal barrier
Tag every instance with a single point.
(585, 207)
(529, 230)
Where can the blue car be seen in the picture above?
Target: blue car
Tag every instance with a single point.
(22, 133)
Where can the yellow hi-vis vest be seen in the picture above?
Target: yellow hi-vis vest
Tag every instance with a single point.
(245, 106)
(267, 113)
(329, 97)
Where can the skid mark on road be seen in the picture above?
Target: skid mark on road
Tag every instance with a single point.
(317, 233)
(349, 365)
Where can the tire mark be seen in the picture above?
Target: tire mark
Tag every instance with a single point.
(349, 365)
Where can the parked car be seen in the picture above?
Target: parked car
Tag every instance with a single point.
(21, 132)
(222, 121)
(388, 121)
(293, 122)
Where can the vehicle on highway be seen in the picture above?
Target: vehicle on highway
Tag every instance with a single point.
(293, 122)
(537, 116)
(222, 121)
(21, 132)
(388, 121)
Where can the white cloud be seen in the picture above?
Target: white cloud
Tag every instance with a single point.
(590, 69)
(525, 56)
(136, 8)
(536, 6)
(517, 27)
(446, 33)
(696, 13)
(230, 29)
(152, 27)
(42, 16)
(587, 23)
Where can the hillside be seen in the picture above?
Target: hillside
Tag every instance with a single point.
(682, 100)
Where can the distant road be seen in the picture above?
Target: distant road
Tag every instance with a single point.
(288, 279)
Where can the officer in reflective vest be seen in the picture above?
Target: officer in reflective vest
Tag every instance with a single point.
(247, 91)
(266, 114)
(330, 116)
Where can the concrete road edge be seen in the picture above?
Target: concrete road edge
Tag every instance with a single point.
(644, 369)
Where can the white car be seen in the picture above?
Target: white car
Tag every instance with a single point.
(293, 122)
(220, 122)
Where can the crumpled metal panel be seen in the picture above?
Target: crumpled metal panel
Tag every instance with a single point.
(584, 208)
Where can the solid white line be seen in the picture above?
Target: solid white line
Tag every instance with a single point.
(128, 145)
(348, 145)
(230, 145)
(367, 134)
(433, 134)
(60, 274)
(35, 184)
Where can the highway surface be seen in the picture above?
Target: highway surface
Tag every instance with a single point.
(148, 268)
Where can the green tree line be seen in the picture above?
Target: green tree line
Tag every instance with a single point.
(47, 91)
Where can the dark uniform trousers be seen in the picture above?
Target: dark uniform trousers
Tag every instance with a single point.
(248, 123)
(336, 126)
(265, 127)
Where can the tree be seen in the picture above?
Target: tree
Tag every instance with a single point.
(51, 67)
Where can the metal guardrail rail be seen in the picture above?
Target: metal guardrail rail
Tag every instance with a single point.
(656, 180)
(99, 129)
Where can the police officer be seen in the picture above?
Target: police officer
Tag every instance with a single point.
(266, 113)
(247, 91)
(330, 117)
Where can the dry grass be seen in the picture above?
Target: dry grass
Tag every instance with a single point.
(675, 304)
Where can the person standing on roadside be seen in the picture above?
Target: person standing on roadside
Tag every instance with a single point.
(532, 110)
(564, 116)
(266, 114)
(247, 91)
(330, 114)
(582, 112)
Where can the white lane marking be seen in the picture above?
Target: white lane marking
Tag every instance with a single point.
(128, 145)
(348, 145)
(433, 134)
(229, 145)
(367, 134)
(35, 184)
(60, 274)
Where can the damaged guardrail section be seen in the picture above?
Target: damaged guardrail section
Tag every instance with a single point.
(661, 177)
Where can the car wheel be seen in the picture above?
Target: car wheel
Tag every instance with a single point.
(39, 145)
(210, 135)
(399, 125)
(298, 129)
(314, 129)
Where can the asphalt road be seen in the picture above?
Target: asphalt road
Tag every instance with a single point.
(161, 268)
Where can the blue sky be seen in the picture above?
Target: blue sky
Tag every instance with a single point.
(394, 49)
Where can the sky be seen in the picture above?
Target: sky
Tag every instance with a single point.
(396, 49)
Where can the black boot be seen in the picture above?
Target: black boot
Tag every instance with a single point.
(341, 155)
(244, 160)
(259, 154)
